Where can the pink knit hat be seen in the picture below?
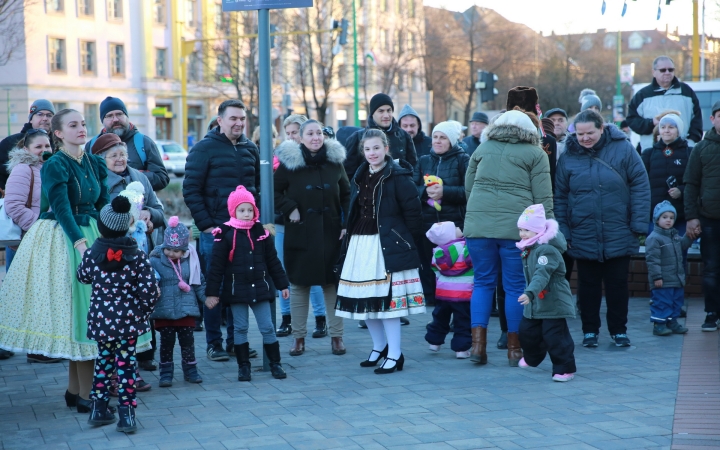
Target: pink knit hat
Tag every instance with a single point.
(238, 197)
(533, 219)
(441, 233)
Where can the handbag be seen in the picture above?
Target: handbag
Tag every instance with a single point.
(10, 232)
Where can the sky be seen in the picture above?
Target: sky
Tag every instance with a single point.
(576, 16)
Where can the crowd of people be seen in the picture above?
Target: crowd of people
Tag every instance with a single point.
(374, 224)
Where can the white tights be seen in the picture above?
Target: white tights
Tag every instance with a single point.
(385, 332)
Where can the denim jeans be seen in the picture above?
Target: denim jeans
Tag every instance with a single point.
(263, 317)
(9, 255)
(316, 293)
(213, 317)
(710, 252)
(488, 255)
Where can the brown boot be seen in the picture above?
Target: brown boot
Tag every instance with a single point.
(338, 348)
(478, 352)
(298, 347)
(515, 353)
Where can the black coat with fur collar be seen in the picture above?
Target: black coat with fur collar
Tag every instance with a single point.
(319, 189)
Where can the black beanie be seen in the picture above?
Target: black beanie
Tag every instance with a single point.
(379, 100)
(111, 104)
(115, 218)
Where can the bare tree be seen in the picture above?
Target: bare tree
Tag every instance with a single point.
(12, 29)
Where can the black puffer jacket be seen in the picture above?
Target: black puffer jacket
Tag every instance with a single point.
(661, 162)
(451, 168)
(401, 146)
(244, 279)
(702, 179)
(397, 208)
(214, 168)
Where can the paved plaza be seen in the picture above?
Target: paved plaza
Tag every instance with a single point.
(620, 399)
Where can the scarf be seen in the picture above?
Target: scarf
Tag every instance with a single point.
(246, 225)
(551, 230)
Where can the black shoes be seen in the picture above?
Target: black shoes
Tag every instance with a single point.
(242, 352)
(83, 406)
(100, 414)
(126, 419)
(399, 363)
(285, 328)
(404, 321)
(590, 340)
(621, 340)
(711, 322)
(362, 324)
(70, 399)
(373, 363)
(5, 354)
(166, 374)
(320, 327)
(148, 365)
(273, 354)
(502, 342)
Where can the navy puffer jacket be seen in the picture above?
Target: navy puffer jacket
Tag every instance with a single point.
(602, 210)
(661, 162)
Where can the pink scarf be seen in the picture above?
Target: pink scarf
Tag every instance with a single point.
(551, 230)
(246, 225)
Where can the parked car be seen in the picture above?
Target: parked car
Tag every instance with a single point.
(174, 156)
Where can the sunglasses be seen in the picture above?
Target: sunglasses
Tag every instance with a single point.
(669, 69)
(36, 130)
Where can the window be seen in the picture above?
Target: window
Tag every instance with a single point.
(190, 13)
(218, 17)
(56, 54)
(86, 8)
(411, 42)
(115, 10)
(59, 106)
(54, 6)
(159, 11)
(194, 68)
(385, 40)
(160, 62)
(117, 60)
(411, 8)
(399, 47)
(87, 58)
(91, 118)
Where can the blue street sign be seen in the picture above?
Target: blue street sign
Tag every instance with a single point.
(249, 5)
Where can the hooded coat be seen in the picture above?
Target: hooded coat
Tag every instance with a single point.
(214, 168)
(21, 167)
(664, 257)
(319, 189)
(702, 179)
(548, 290)
(174, 303)
(153, 169)
(451, 168)
(422, 142)
(6, 146)
(661, 162)
(123, 292)
(401, 146)
(506, 174)
(602, 210)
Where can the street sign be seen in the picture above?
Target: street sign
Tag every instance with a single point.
(618, 108)
(249, 5)
(627, 73)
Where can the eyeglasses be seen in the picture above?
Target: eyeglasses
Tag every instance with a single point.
(114, 116)
(36, 130)
(45, 115)
(669, 69)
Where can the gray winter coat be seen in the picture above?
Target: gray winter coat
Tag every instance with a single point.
(664, 257)
(601, 210)
(175, 304)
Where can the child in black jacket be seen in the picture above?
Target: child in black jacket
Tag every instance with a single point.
(124, 293)
(243, 257)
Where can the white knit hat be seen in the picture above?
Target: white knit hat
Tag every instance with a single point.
(517, 119)
(135, 192)
(449, 129)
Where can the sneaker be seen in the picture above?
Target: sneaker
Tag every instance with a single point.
(659, 329)
(434, 348)
(522, 363)
(711, 322)
(216, 353)
(621, 340)
(590, 340)
(675, 327)
(462, 355)
(563, 377)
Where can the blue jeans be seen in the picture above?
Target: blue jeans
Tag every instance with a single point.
(316, 293)
(9, 255)
(213, 317)
(488, 255)
(263, 317)
(666, 304)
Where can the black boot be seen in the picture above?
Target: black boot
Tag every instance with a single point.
(126, 419)
(166, 374)
(320, 327)
(100, 414)
(285, 327)
(502, 342)
(242, 353)
(273, 354)
(190, 372)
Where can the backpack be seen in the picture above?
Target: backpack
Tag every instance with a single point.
(139, 142)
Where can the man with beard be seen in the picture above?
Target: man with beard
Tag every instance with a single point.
(411, 123)
(143, 154)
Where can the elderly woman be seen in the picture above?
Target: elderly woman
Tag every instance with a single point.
(507, 173)
(602, 204)
(312, 192)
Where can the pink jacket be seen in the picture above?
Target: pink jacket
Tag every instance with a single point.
(17, 188)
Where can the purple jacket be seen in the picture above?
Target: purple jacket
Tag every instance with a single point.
(17, 189)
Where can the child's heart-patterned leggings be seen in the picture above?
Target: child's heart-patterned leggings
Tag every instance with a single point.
(115, 356)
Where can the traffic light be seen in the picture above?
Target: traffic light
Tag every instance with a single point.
(344, 25)
(273, 30)
(487, 86)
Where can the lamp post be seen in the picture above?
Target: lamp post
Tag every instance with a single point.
(356, 86)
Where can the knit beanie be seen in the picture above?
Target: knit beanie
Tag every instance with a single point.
(239, 196)
(40, 105)
(105, 142)
(674, 120)
(533, 218)
(115, 218)
(479, 116)
(135, 192)
(379, 100)
(111, 104)
(441, 233)
(516, 118)
(177, 235)
(590, 101)
(524, 97)
(663, 207)
(450, 130)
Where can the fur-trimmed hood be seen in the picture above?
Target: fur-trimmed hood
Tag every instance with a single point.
(512, 134)
(290, 155)
(20, 156)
